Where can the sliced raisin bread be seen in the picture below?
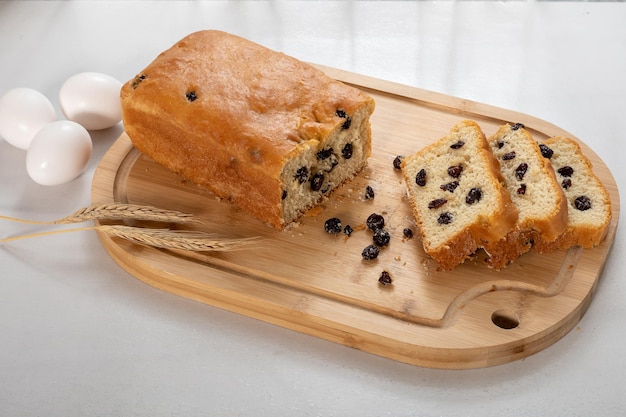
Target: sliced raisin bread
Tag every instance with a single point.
(454, 186)
(588, 200)
(534, 190)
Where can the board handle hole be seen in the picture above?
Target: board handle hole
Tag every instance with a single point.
(505, 319)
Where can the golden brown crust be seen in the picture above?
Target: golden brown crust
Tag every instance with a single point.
(455, 252)
(227, 114)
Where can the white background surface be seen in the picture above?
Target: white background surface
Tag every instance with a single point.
(81, 337)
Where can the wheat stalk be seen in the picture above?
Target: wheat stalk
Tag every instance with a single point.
(117, 212)
(160, 238)
(188, 240)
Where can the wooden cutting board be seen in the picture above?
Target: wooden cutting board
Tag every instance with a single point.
(309, 281)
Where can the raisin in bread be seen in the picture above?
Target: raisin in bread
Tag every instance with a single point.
(272, 134)
(534, 190)
(588, 200)
(454, 186)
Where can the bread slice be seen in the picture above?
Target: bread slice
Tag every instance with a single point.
(270, 133)
(454, 186)
(588, 200)
(534, 190)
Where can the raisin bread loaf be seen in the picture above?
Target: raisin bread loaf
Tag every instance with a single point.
(454, 186)
(534, 190)
(272, 134)
(588, 200)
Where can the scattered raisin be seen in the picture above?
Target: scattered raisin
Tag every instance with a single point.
(455, 171)
(520, 171)
(333, 225)
(324, 154)
(317, 181)
(445, 218)
(500, 144)
(302, 175)
(457, 145)
(566, 183)
(420, 178)
(566, 171)
(582, 203)
(397, 162)
(522, 189)
(375, 221)
(346, 152)
(343, 115)
(191, 96)
(546, 152)
(385, 278)
(347, 230)
(407, 232)
(508, 156)
(451, 186)
(517, 126)
(369, 193)
(437, 203)
(474, 195)
(138, 79)
(284, 195)
(381, 237)
(370, 252)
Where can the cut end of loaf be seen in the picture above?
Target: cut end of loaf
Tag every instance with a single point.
(319, 167)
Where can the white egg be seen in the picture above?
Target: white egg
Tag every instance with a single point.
(92, 100)
(58, 153)
(23, 112)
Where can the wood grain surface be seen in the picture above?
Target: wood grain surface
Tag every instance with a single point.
(310, 281)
